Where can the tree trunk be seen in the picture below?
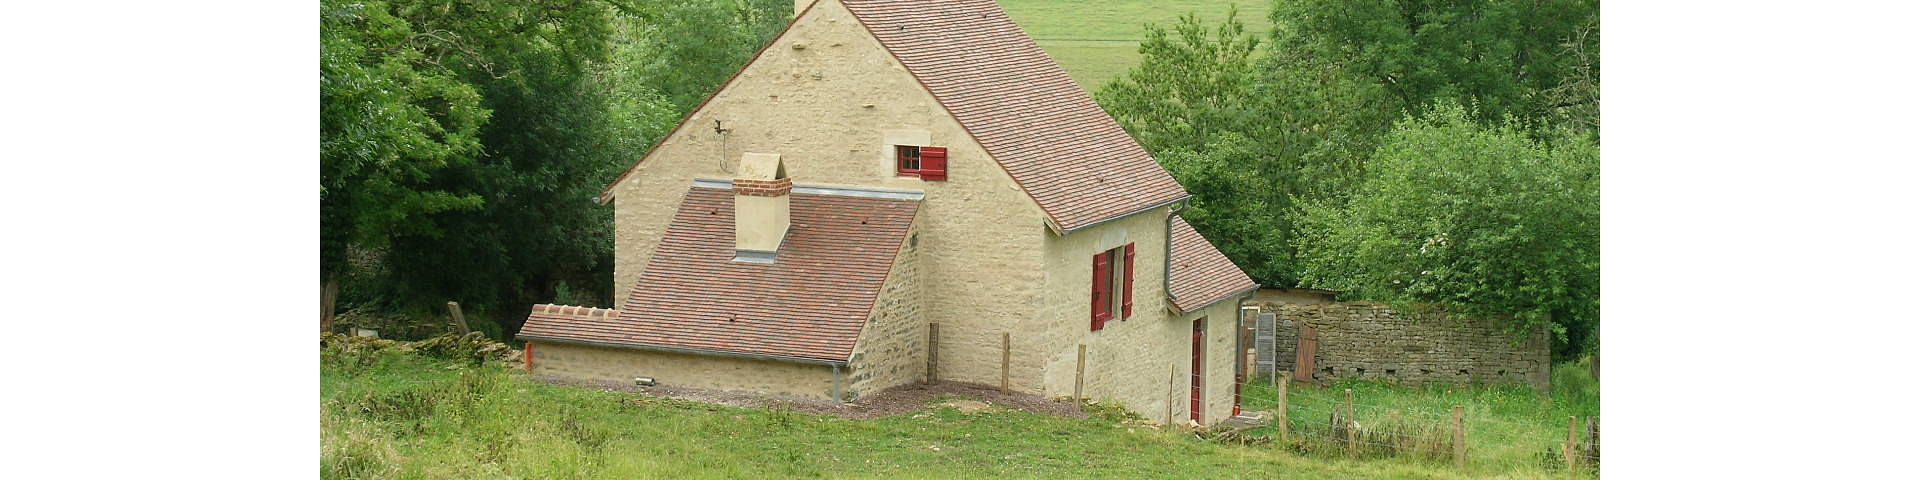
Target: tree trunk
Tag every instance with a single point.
(329, 291)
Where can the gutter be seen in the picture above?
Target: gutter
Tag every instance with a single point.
(836, 364)
(1181, 200)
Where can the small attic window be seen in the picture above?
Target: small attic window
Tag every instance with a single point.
(927, 163)
(908, 160)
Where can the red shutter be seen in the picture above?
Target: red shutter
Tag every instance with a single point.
(933, 164)
(1126, 296)
(1102, 277)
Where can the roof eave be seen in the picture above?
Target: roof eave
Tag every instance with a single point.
(686, 351)
(1244, 293)
(1063, 232)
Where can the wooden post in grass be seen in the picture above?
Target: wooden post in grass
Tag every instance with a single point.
(1572, 443)
(1459, 437)
(1173, 377)
(933, 353)
(1353, 433)
(459, 320)
(1006, 359)
(1280, 412)
(1080, 374)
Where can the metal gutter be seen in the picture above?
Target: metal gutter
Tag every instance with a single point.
(689, 351)
(1063, 233)
(861, 192)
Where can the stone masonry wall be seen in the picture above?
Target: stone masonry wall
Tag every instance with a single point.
(1372, 341)
(893, 346)
(618, 365)
(826, 97)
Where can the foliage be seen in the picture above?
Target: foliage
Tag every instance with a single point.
(413, 417)
(1189, 86)
(1483, 221)
(463, 143)
(684, 49)
(391, 117)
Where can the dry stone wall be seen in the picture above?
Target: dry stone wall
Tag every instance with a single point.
(1375, 342)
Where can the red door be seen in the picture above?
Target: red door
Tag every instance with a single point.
(1193, 402)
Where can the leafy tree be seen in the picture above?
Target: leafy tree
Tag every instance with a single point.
(463, 142)
(1481, 221)
(1189, 85)
(1386, 59)
(684, 49)
(1237, 203)
(391, 117)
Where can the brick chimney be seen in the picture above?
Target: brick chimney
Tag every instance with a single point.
(760, 209)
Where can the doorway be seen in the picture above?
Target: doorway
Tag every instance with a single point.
(1199, 347)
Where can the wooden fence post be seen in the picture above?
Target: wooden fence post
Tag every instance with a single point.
(1352, 433)
(1173, 377)
(1280, 413)
(1080, 375)
(933, 353)
(1572, 442)
(1593, 439)
(1459, 437)
(459, 320)
(1006, 359)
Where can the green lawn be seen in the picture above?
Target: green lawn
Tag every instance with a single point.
(1099, 40)
(402, 416)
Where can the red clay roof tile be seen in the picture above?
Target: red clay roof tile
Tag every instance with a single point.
(810, 303)
(1201, 274)
(1059, 145)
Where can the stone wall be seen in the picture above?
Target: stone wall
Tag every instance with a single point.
(1375, 342)
(892, 349)
(619, 365)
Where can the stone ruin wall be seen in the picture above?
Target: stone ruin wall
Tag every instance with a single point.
(1375, 342)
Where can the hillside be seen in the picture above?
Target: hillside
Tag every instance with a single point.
(1098, 40)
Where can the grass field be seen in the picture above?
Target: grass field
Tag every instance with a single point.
(1099, 40)
(402, 416)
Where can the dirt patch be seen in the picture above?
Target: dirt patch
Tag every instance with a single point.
(895, 401)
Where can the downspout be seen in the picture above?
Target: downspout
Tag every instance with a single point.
(1166, 278)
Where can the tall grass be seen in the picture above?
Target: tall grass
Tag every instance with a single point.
(1509, 428)
(393, 415)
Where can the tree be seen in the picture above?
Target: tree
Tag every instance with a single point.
(1188, 87)
(684, 49)
(1480, 221)
(391, 117)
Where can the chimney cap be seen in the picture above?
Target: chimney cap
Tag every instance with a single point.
(762, 166)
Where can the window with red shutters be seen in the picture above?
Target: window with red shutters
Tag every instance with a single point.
(1126, 290)
(933, 164)
(1102, 284)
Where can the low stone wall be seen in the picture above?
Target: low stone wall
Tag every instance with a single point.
(1373, 341)
(597, 364)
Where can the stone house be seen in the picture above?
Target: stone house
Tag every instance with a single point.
(886, 166)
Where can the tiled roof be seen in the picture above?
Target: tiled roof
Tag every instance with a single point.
(1201, 274)
(1050, 136)
(810, 303)
(1068, 154)
(565, 321)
